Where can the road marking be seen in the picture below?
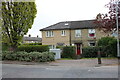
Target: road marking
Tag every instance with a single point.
(89, 70)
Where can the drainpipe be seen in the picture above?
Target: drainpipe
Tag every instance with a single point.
(70, 38)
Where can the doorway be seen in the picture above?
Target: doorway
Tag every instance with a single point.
(78, 49)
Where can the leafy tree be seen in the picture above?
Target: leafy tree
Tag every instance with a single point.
(107, 22)
(17, 18)
(108, 45)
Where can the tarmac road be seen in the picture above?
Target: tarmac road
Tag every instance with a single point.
(61, 69)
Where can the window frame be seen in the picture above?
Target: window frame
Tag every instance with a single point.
(77, 33)
(63, 33)
(90, 32)
(52, 46)
(49, 33)
(92, 42)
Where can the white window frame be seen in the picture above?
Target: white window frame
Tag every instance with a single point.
(91, 42)
(63, 33)
(76, 32)
(49, 34)
(91, 31)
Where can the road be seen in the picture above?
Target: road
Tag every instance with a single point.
(60, 69)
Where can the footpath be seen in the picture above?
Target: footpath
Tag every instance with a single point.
(77, 63)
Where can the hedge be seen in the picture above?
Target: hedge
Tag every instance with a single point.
(5, 46)
(68, 52)
(29, 57)
(32, 44)
(109, 46)
(89, 52)
(31, 48)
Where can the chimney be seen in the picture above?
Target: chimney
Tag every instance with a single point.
(29, 35)
(37, 36)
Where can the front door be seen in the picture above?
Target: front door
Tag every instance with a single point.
(78, 49)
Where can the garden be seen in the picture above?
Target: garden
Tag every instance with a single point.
(106, 45)
(28, 52)
(35, 52)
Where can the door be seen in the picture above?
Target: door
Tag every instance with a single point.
(78, 49)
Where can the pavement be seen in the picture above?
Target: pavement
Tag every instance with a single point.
(81, 68)
(77, 62)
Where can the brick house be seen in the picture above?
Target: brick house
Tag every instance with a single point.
(77, 33)
(32, 39)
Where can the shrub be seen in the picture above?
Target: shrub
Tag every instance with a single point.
(90, 52)
(31, 48)
(5, 46)
(59, 47)
(109, 46)
(25, 56)
(32, 44)
(68, 52)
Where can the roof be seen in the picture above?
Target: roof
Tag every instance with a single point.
(82, 24)
(32, 39)
(71, 25)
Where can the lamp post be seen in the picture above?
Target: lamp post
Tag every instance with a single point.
(118, 51)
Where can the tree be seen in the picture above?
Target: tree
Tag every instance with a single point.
(17, 18)
(107, 22)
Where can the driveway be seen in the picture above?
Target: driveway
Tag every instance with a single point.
(82, 68)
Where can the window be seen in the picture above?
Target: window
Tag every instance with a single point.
(52, 46)
(92, 43)
(49, 34)
(60, 44)
(63, 33)
(77, 33)
(114, 34)
(66, 24)
(91, 32)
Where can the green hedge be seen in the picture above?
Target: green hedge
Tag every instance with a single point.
(5, 46)
(31, 48)
(109, 46)
(69, 52)
(29, 57)
(90, 52)
(32, 44)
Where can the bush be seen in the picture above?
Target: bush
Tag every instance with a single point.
(109, 46)
(32, 44)
(90, 52)
(31, 48)
(5, 46)
(59, 47)
(69, 52)
(32, 56)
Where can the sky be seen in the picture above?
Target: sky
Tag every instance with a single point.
(50, 12)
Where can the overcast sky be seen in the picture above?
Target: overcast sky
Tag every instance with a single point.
(53, 11)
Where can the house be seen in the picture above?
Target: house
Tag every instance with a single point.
(77, 33)
(32, 39)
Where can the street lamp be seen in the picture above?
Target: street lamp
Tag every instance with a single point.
(118, 51)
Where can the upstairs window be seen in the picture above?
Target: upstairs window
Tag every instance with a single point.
(77, 33)
(63, 33)
(49, 34)
(91, 33)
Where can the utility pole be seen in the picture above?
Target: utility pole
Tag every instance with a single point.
(118, 49)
